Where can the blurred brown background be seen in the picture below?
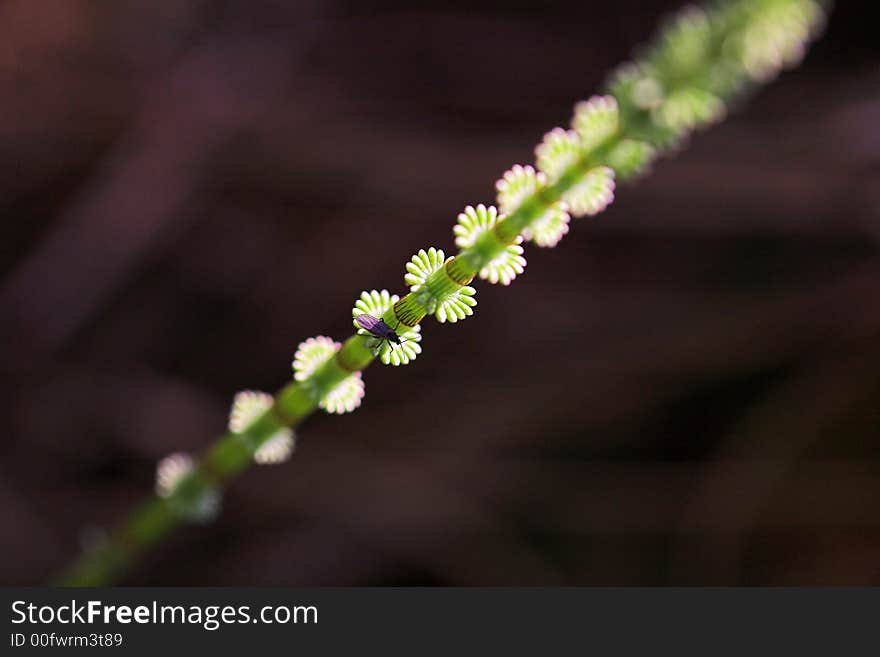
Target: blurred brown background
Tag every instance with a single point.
(685, 391)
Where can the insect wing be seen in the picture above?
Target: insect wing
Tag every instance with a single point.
(371, 324)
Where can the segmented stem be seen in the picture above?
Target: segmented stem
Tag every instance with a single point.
(681, 84)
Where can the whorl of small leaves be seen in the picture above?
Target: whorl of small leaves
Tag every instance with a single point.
(472, 223)
(342, 397)
(445, 300)
(247, 407)
(190, 498)
(522, 182)
(379, 303)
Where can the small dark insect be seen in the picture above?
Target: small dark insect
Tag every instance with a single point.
(379, 330)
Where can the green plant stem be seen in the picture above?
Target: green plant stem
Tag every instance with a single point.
(149, 523)
(231, 454)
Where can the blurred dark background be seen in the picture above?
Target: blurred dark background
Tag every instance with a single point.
(685, 391)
